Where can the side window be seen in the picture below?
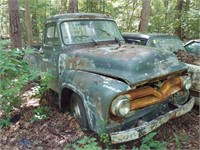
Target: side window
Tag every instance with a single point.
(51, 35)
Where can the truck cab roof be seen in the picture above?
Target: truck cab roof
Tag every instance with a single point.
(74, 16)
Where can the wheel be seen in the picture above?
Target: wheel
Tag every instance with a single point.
(78, 111)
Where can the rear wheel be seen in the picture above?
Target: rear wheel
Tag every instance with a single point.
(78, 111)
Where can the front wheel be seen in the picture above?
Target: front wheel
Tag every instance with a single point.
(78, 111)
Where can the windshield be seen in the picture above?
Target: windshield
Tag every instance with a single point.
(86, 31)
(172, 44)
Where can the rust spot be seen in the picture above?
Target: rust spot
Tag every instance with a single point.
(144, 91)
(174, 116)
(76, 62)
(168, 86)
(144, 101)
(146, 96)
(117, 119)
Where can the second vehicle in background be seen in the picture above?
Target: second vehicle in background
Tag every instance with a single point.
(188, 53)
(193, 46)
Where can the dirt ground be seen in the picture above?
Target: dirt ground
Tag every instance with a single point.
(60, 129)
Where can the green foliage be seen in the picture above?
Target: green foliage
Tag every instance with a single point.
(182, 137)
(40, 113)
(163, 14)
(178, 143)
(4, 122)
(46, 78)
(122, 147)
(149, 143)
(125, 12)
(14, 75)
(104, 137)
(86, 143)
(135, 148)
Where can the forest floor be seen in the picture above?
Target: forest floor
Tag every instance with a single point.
(60, 131)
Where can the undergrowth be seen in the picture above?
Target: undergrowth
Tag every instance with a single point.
(40, 113)
(90, 143)
(14, 75)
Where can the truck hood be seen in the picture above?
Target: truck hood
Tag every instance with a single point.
(129, 63)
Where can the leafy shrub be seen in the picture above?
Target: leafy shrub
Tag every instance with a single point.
(4, 122)
(46, 78)
(40, 113)
(149, 143)
(14, 75)
(182, 137)
(86, 143)
(104, 137)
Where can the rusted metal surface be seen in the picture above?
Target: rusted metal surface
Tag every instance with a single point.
(132, 65)
(147, 127)
(97, 103)
(190, 59)
(100, 73)
(146, 96)
(171, 86)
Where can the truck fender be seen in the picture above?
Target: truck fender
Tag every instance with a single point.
(96, 92)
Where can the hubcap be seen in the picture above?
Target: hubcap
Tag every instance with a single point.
(77, 113)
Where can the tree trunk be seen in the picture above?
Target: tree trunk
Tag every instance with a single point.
(15, 29)
(63, 6)
(179, 8)
(145, 15)
(73, 6)
(134, 4)
(35, 23)
(28, 22)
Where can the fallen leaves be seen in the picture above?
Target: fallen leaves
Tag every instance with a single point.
(60, 129)
(188, 57)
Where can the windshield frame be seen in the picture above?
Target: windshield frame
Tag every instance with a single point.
(89, 42)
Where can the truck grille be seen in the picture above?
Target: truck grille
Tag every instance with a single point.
(147, 95)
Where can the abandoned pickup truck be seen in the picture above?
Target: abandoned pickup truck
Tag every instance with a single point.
(173, 44)
(124, 90)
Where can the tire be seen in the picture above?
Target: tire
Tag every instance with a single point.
(78, 111)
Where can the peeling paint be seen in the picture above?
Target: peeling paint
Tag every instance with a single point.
(99, 74)
(112, 88)
(195, 75)
(137, 132)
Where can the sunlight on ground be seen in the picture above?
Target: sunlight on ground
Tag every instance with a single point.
(29, 98)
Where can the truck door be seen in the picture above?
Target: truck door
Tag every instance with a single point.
(50, 53)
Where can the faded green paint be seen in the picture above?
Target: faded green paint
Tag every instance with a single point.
(99, 72)
(170, 43)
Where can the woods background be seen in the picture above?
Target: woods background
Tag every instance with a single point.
(180, 17)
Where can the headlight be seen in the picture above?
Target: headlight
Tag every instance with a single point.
(120, 106)
(187, 82)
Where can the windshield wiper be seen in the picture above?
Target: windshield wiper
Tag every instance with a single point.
(116, 39)
(96, 43)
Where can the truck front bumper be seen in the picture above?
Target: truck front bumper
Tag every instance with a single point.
(147, 127)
